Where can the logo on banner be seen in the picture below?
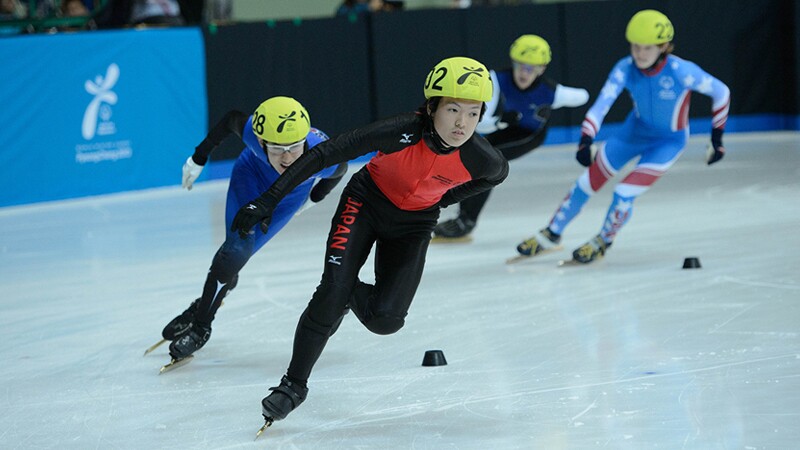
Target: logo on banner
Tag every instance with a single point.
(97, 121)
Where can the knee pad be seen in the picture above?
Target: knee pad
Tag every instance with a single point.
(232, 284)
(384, 324)
(328, 302)
(230, 258)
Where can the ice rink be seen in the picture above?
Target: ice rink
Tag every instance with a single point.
(632, 352)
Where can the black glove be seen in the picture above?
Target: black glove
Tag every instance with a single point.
(509, 119)
(715, 151)
(584, 154)
(250, 214)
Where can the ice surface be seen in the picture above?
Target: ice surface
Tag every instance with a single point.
(630, 353)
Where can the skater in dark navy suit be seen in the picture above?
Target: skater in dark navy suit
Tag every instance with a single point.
(516, 121)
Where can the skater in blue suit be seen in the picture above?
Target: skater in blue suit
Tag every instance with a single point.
(655, 132)
(278, 132)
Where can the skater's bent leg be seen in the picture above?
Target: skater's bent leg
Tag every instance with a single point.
(590, 181)
(619, 212)
(362, 303)
(471, 207)
(315, 327)
(345, 255)
(398, 270)
(636, 183)
(223, 275)
(222, 278)
(571, 206)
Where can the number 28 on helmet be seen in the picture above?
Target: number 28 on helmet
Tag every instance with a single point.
(281, 120)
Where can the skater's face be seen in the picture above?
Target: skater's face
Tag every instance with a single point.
(646, 55)
(282, 156)
(455, 120)
(525, 74)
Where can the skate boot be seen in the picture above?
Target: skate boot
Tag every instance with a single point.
(594, 249)
(454, 230)
(542, 242)
(283, 400)
(180, 324)
(191, 341)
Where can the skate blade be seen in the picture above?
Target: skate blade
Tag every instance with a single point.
(154, 346)
(570, 263)
(574, 263)
(267, 422)
(520, 258)
(175, 363)
(451, 240)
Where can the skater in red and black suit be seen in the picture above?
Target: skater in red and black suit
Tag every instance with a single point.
(426, 160)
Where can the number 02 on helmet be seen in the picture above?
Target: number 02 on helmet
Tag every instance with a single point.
(459, 77)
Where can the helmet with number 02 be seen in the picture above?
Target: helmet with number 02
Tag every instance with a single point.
(281, 120)
(459, 77)
(531, 49)
(649, 27)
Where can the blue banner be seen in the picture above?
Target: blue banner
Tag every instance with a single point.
(98, 112)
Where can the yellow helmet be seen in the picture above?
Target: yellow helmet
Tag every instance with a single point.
(531, 49)
(281, 120)
(459, 77)
(649, 27)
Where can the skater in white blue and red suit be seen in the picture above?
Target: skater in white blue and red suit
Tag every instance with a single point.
(655, 132)
(275, 136)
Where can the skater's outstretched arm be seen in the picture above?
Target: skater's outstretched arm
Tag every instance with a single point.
(233, 123)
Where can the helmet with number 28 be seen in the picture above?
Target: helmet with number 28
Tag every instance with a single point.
(281, 120)
(459, 77)
(649, 27)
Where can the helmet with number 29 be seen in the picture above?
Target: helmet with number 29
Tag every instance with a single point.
(459, 77)
(649, 27)
(281, 120)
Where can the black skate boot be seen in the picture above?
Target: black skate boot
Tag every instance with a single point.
(594, 249)
(180, 324)
(191, 341)
(283, 400)
(454, 230)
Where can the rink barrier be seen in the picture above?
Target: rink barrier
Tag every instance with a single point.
(173, 84)
(96, 113)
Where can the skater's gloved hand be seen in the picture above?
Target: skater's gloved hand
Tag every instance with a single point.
(715, 151)
(257, 211)
(191, 170)
(585, 154)
(508, 118)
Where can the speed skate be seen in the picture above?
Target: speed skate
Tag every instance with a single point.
(175, 363)
(570, 263)
(521, 258)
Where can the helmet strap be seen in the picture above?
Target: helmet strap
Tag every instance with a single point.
(435, 141)
(430, 135)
